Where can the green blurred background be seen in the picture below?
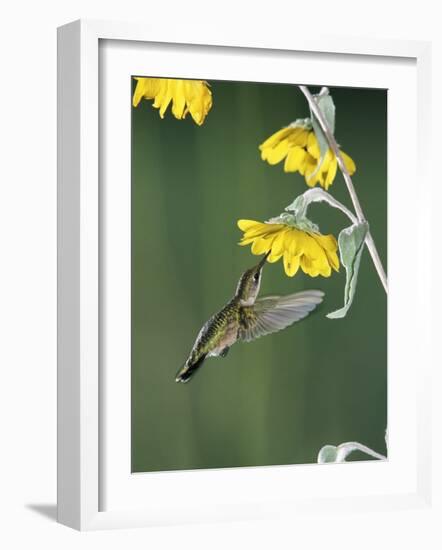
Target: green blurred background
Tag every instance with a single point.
(279, 399)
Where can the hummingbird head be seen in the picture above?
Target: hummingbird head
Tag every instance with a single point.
(249, 283)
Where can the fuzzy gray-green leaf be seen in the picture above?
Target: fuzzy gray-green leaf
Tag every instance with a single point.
(351, 244)
(328, 453)
(325, 103)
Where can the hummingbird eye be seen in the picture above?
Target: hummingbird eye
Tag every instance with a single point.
(256, 276)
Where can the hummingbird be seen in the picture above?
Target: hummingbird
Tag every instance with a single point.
(246, 317)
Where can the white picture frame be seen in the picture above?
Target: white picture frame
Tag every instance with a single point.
(82, 441)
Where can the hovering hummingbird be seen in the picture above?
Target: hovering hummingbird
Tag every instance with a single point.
(245, 318)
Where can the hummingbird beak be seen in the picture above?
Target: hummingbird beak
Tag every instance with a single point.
(263, 261)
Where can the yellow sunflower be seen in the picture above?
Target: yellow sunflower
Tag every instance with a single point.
(297, 144)
(314, 253)
(187, 96)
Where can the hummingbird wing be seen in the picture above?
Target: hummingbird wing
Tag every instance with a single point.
(272, 313)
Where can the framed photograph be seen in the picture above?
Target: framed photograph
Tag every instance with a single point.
(238, 337)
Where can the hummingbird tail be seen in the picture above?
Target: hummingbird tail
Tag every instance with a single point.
(189, 369)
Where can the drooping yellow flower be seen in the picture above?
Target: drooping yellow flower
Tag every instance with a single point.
(297, 144)
(314, 253)
(187, 96)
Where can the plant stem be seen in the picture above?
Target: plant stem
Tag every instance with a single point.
(348, 181)
(344, 449)
(317, 195)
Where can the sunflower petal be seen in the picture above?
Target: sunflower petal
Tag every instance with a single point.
(199, 99)
(291, 267)
(192, 96)
(308, 164)
(179, 100)
(299, 242)
(278, 243)
(275, 138)
(313, 146)
(291, 264)
(333, 259)
(164, 97)
(244, 225)
(276, 154)
(273, 257)
(263, 229)
(331, 173)
(147, 88)
(138, 93)
(316, 254)
(308, 268)
(294, 159)
(262, 245)
(245, 242)
(324, 269)
(298, 137)
(349, 163)
(328, 242)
